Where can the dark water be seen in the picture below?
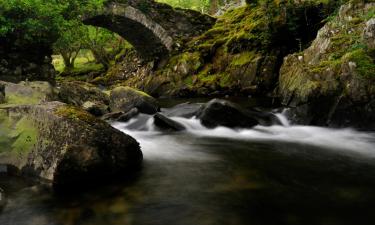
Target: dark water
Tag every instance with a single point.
(266, 175)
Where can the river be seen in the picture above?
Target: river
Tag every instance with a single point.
(261, 176)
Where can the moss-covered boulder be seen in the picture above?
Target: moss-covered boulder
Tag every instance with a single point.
(333, 81)
(126, 98)
(64, 145)
(27, 92)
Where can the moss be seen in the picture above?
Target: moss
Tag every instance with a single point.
(365, 65)
(75, 113)
(17, 136)
(243, 58)
(26, 136)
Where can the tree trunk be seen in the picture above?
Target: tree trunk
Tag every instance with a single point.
(69, 66)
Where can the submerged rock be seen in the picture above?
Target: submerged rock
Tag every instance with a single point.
(166, 123)
(332, 83)
(224, 113)
(64, 145)
(126, 98)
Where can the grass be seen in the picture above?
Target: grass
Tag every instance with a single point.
(84, 63)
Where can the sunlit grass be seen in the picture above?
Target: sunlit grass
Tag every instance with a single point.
(85, 62)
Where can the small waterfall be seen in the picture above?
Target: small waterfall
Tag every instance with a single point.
(282, 118)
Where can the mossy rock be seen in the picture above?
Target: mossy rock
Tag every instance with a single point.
(336, 73)
(27, 92)
(126, 98)
(64, 144)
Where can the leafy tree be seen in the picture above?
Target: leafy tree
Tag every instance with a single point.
(104, 45)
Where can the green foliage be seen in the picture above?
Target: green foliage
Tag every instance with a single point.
(41, 21)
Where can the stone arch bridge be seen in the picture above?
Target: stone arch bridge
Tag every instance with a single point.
(154, 29)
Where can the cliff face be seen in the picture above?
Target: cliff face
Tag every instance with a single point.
(333, 81)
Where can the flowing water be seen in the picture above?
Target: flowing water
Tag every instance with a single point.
(264, 175)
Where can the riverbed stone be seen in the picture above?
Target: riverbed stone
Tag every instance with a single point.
(64, 145)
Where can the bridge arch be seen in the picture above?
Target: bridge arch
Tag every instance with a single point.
(152, 32)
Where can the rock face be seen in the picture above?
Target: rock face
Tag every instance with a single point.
(126, 98)
(332, 82)
(63, 144)
(27, 92)
(223, 113)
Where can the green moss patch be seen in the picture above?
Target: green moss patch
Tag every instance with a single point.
(17, 136)
(75, 113)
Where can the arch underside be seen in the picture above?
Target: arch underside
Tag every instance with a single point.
(144, 40)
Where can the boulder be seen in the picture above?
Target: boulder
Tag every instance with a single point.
(78, 93)
(64, 145)
(126, 98)
(27, 92)
(166, 123)
(219, 112)
(95, 108)
(332, 82)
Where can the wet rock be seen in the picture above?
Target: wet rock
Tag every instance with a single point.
(186, 110)
(224, 113)
(27, 92)
(127, 116)
(166, 123)
(65, 145)
(126, 98)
